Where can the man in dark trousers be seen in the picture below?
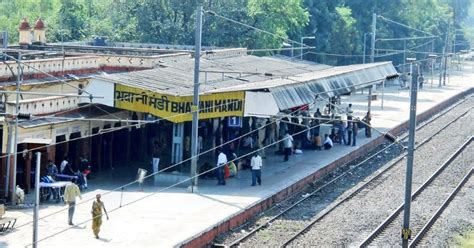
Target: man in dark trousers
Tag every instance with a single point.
(349, 132)
(256, 164)
(355, 129)
(221, 161)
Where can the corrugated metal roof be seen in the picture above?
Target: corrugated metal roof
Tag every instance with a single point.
(291, 82)
(331, 82)
(218, 74)
(82, 113)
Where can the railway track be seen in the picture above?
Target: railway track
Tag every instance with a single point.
(429, 224)
(431, 193)
(316, 195)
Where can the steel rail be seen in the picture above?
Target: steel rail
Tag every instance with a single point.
(440, 210)
(427, 183)
(366, 184)
(238, 241)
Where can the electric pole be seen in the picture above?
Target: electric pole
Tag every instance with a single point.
(195, 108)
(406, 231)
(15, 140)
(374, 24)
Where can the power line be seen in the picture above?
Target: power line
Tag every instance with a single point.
(406, 38)
(406, 26)
(337, 54)
(212, 13)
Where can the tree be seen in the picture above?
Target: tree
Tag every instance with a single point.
(72, 21)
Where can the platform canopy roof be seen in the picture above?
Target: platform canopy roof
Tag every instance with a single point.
(291, 82)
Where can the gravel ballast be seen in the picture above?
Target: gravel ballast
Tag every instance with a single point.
(357, 217)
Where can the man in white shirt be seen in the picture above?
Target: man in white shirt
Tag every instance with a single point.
(221, 161)
(349, 112)
(256, 164)
(63, 165)
(288, 145)
(327, 142)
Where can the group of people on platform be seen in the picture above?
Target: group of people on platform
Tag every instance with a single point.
(226, 169)
(67, 171)
(342, 132)
(301, 132)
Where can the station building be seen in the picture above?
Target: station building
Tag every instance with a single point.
(144, 95)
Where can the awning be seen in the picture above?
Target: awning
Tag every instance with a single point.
(35, 141)
(260, 104)
(293, 95)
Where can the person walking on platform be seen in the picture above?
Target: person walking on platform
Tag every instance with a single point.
(288, 145)
(256, 164)
(70, 193)
(355, 129)
(349, 112)
(366, 122)
(221, 161)
(96, 212)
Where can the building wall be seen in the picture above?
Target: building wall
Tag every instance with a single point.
(54, 66)
(46, 105)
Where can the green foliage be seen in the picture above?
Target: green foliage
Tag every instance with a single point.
(339, 25)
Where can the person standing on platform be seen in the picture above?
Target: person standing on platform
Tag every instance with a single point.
(341, 130)
(62, 166)
(355, 129)
(317, 122)
(288, 145)
(156, 157)
(368, 128)
(221, 161)
(421, 80)
(96, 212)
(70, 193)
(349, 112)
(349, 132)
(256, 164)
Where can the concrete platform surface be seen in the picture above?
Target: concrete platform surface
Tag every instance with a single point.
(169, 218)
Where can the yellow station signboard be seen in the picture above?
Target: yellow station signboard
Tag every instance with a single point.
(178, 108)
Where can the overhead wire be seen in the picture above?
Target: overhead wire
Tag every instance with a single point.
(213, 13)
(406, 26)
(338, 54)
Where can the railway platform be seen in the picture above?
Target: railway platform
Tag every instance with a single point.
(175, 217)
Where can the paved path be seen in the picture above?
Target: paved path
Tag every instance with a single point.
(169, 218)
